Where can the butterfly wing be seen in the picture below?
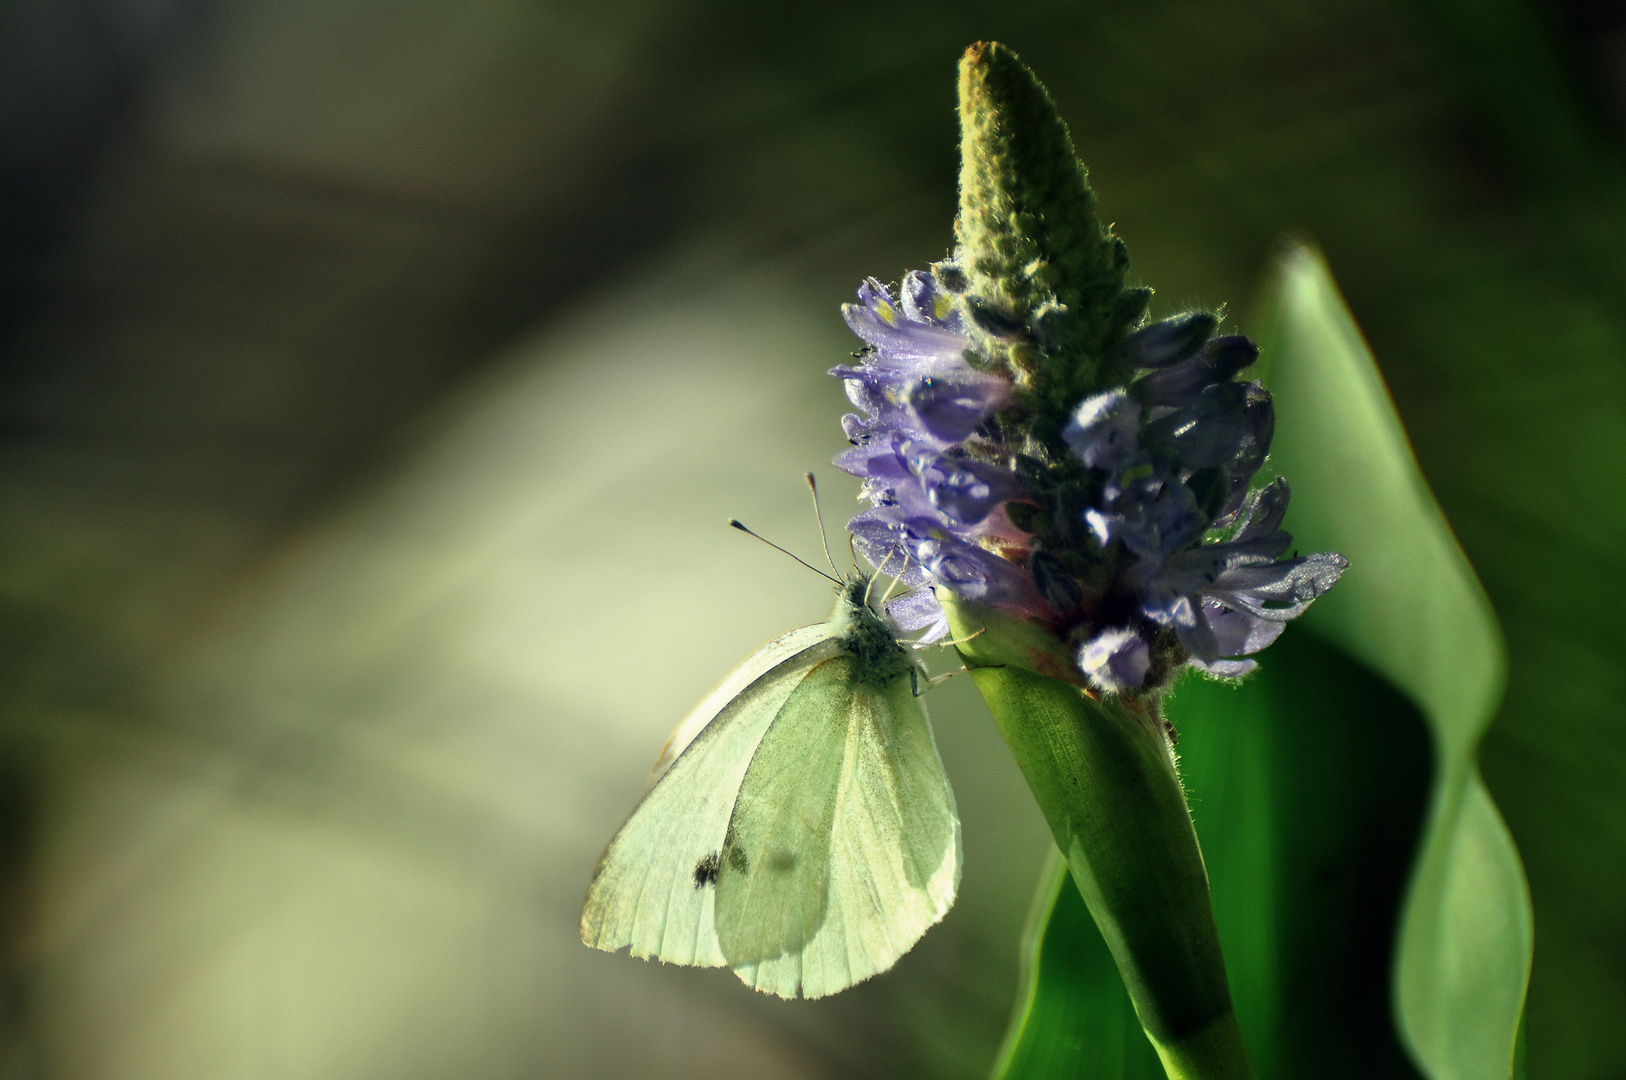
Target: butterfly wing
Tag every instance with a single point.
(843, 846)
(645, 893)
(756, 665)
(774, 867)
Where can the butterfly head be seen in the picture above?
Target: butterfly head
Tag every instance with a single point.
(865, 634)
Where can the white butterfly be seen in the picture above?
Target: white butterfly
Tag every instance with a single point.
(800, 828)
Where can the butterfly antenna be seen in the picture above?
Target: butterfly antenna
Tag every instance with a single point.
(897, 579)
(824, 535)
(879, 570)
(736, 523)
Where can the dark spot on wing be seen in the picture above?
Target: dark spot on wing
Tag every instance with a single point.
(705, 871)
(736, 857)
(782, 861)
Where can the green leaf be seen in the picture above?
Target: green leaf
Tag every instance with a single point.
(1411, 609)
(1073, 1017)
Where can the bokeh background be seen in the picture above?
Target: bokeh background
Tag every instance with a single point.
(377, 377)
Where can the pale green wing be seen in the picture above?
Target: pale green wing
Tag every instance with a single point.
(646, 893)
(844, 846)
(756, 665)
(773, 876)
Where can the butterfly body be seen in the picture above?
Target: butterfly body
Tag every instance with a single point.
(800, 828)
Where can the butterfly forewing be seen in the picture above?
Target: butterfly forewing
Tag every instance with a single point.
(649, 891)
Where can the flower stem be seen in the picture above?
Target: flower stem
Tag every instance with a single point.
(1105, 777)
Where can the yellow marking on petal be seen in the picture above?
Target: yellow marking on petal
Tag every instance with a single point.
(887, 312)
(941, 305)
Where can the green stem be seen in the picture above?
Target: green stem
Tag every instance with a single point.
(1104, 775)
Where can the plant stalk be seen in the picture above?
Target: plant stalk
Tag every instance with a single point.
(1104, 774)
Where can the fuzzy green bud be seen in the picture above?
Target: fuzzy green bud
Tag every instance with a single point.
(1045, 277)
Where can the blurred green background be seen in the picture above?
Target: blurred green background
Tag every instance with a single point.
(377, 378)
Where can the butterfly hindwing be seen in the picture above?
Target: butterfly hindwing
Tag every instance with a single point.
(844, 845)
(774, 874)
(895, 856)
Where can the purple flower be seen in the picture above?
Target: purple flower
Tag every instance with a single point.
(1179, 447)
(924, 301)
(949, 406)
(977, 573)
(1168, 460)
(1227, 424)
(1232, 599)
(922, 482)
(919, 551)
(915, 377)
(1180, 383)
(1153, 517)
(1105, 431)
(874, 457)
(1169, 341)
(897, 335)
(1116, 660)
(915, 611)
(963, 491)
(888, 541)
(933, 502)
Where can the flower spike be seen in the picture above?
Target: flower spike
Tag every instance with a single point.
(1026, 442)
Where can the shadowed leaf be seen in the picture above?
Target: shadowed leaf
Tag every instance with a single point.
(1412, 610)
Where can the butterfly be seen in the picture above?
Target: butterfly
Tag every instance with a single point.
(799, 828)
